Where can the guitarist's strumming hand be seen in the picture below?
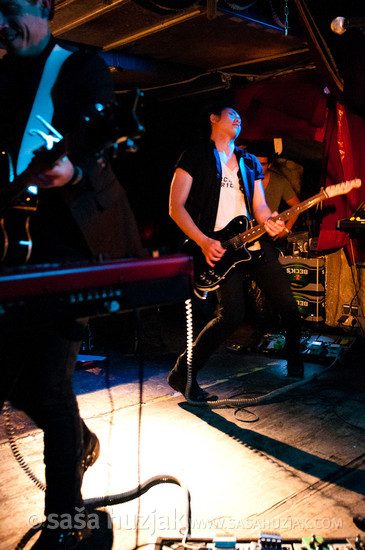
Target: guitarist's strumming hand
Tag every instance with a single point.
(46, 177)
(273, 227)
(212, 250)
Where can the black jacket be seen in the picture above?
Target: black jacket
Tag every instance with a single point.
(92, 218)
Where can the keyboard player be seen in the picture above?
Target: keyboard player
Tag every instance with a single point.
(81, 213)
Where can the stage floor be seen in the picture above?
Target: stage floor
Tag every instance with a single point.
(294, 466)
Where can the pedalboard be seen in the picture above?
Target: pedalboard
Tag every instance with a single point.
(264, 542)
(316, 347)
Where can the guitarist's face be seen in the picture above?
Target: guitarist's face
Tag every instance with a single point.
(228, 122)
(23, 26)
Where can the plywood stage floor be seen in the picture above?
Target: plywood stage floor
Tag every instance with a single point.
(293, 466)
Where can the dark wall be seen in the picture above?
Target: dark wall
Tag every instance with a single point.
(171, 126)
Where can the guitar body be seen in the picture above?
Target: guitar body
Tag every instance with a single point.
(239, 241)
(15, 238)
(207, 278)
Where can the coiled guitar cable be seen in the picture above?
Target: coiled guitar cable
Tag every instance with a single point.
(15, 449)
(241, 402)
(108, 500)
(120, 498)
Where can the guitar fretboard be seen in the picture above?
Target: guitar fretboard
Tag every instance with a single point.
(257, 231)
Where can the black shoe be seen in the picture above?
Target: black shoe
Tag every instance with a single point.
(62, 539)
(96, 535)
(90, 453)
(295, 372)
(178, 380)
(359, 521)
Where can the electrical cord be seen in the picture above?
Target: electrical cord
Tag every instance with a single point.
(243, 409)
(189, 344)
(14, 445)
(273, 394)
(232, 402)
(15, 449)
(335, 406)
(251, 401)
(121, 498)
(140, 354)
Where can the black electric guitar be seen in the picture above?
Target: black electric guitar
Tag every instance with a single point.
(236, 236)
(18, 201)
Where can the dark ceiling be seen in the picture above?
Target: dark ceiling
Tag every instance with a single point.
(190, 45)
(175, 48)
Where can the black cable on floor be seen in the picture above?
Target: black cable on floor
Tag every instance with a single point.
(140, 355)
(121, 498)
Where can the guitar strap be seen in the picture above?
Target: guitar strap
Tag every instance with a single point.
(248, 193)
(43, 106)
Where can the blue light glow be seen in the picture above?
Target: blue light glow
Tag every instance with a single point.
(235, 14)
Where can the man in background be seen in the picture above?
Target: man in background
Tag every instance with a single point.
(278, 188)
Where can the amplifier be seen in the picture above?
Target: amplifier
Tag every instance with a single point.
(311, 305)
(306, 274)
(307, 281)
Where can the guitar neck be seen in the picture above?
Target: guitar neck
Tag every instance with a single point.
(258, 230)
(301, 207)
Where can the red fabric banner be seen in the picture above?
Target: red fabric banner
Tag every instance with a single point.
(295, 106)
(289, 106)
(345, 146)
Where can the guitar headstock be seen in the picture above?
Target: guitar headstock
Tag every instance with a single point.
(342, 188)
(95, 134)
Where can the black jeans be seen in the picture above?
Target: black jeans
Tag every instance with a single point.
(37, 370)
(231, 310)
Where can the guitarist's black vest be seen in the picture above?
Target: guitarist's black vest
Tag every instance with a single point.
(202, 162)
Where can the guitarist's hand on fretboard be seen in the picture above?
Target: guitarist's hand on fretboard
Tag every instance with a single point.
(274, 227)
(43, 176)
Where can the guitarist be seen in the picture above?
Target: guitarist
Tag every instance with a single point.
(82, 214)
(208, 190)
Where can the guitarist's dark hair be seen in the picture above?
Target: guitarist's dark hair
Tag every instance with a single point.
(214, 108)
(50, 13)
